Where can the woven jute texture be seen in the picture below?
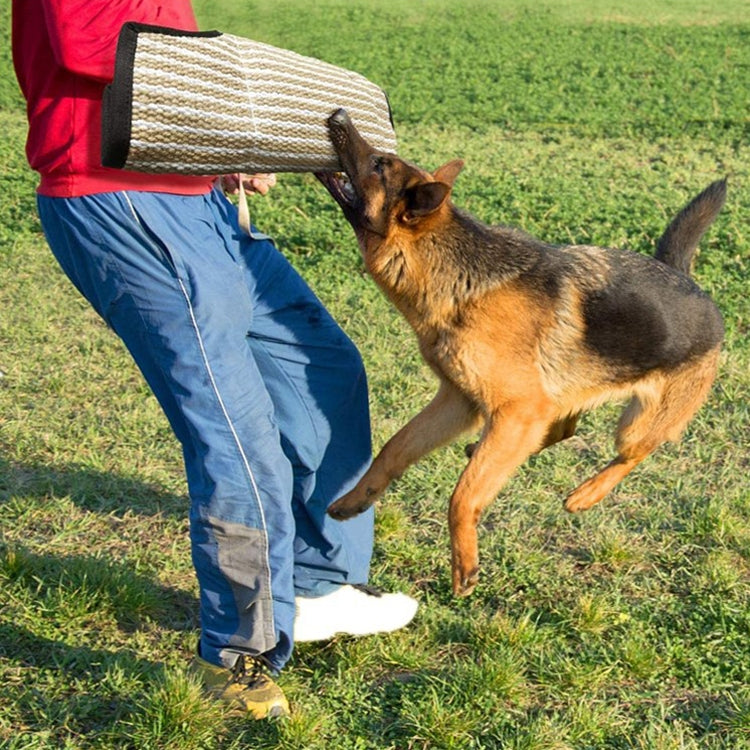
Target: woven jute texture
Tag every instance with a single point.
(221, 104)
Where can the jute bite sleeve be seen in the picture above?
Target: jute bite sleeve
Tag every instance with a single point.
(207, 103)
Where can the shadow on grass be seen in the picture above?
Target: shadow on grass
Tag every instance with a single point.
(86, 587)
(61, 677)
(90, 489)
(58, 688)
(56, 692)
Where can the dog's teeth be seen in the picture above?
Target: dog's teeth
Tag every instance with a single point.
(345, 185)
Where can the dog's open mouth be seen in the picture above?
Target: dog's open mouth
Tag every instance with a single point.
(340, 186)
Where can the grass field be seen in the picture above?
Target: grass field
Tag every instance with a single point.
(626, 627)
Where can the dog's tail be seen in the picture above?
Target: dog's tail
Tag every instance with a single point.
(678, 244)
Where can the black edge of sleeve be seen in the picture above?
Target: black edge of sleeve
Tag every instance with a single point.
(117, 99)
(390, 110)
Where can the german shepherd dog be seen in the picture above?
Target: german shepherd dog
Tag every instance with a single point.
(523, 335)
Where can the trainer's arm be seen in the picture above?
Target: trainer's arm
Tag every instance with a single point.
(84, 32)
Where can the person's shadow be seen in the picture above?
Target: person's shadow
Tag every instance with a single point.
(35, 636)
(101, 492)
(48, 592)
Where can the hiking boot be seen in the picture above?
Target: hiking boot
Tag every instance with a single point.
(351, 610)
(246, 687)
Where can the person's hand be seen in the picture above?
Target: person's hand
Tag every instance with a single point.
(253, 183)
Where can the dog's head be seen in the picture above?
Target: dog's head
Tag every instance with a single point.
(379, 193)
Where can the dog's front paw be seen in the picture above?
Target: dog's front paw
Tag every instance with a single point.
(350, 505)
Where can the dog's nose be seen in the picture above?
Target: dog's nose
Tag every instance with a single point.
(339, 117)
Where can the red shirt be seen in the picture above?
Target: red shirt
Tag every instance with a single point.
(64, 56)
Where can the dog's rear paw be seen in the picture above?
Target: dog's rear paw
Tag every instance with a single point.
(579, 501)
(463, 585)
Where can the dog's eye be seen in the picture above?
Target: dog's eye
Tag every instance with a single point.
(378, 164)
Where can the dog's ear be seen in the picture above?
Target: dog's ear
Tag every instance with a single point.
(427, 197)
(424, 199)
(448, 172)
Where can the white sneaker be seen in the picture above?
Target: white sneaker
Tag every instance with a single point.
(351, 610)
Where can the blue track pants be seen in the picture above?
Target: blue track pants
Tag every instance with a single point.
(265, 393)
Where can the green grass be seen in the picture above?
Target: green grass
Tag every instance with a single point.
(627, 627)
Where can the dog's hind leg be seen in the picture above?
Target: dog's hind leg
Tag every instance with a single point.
(653, 417)
(447, 416)
(508, 440)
